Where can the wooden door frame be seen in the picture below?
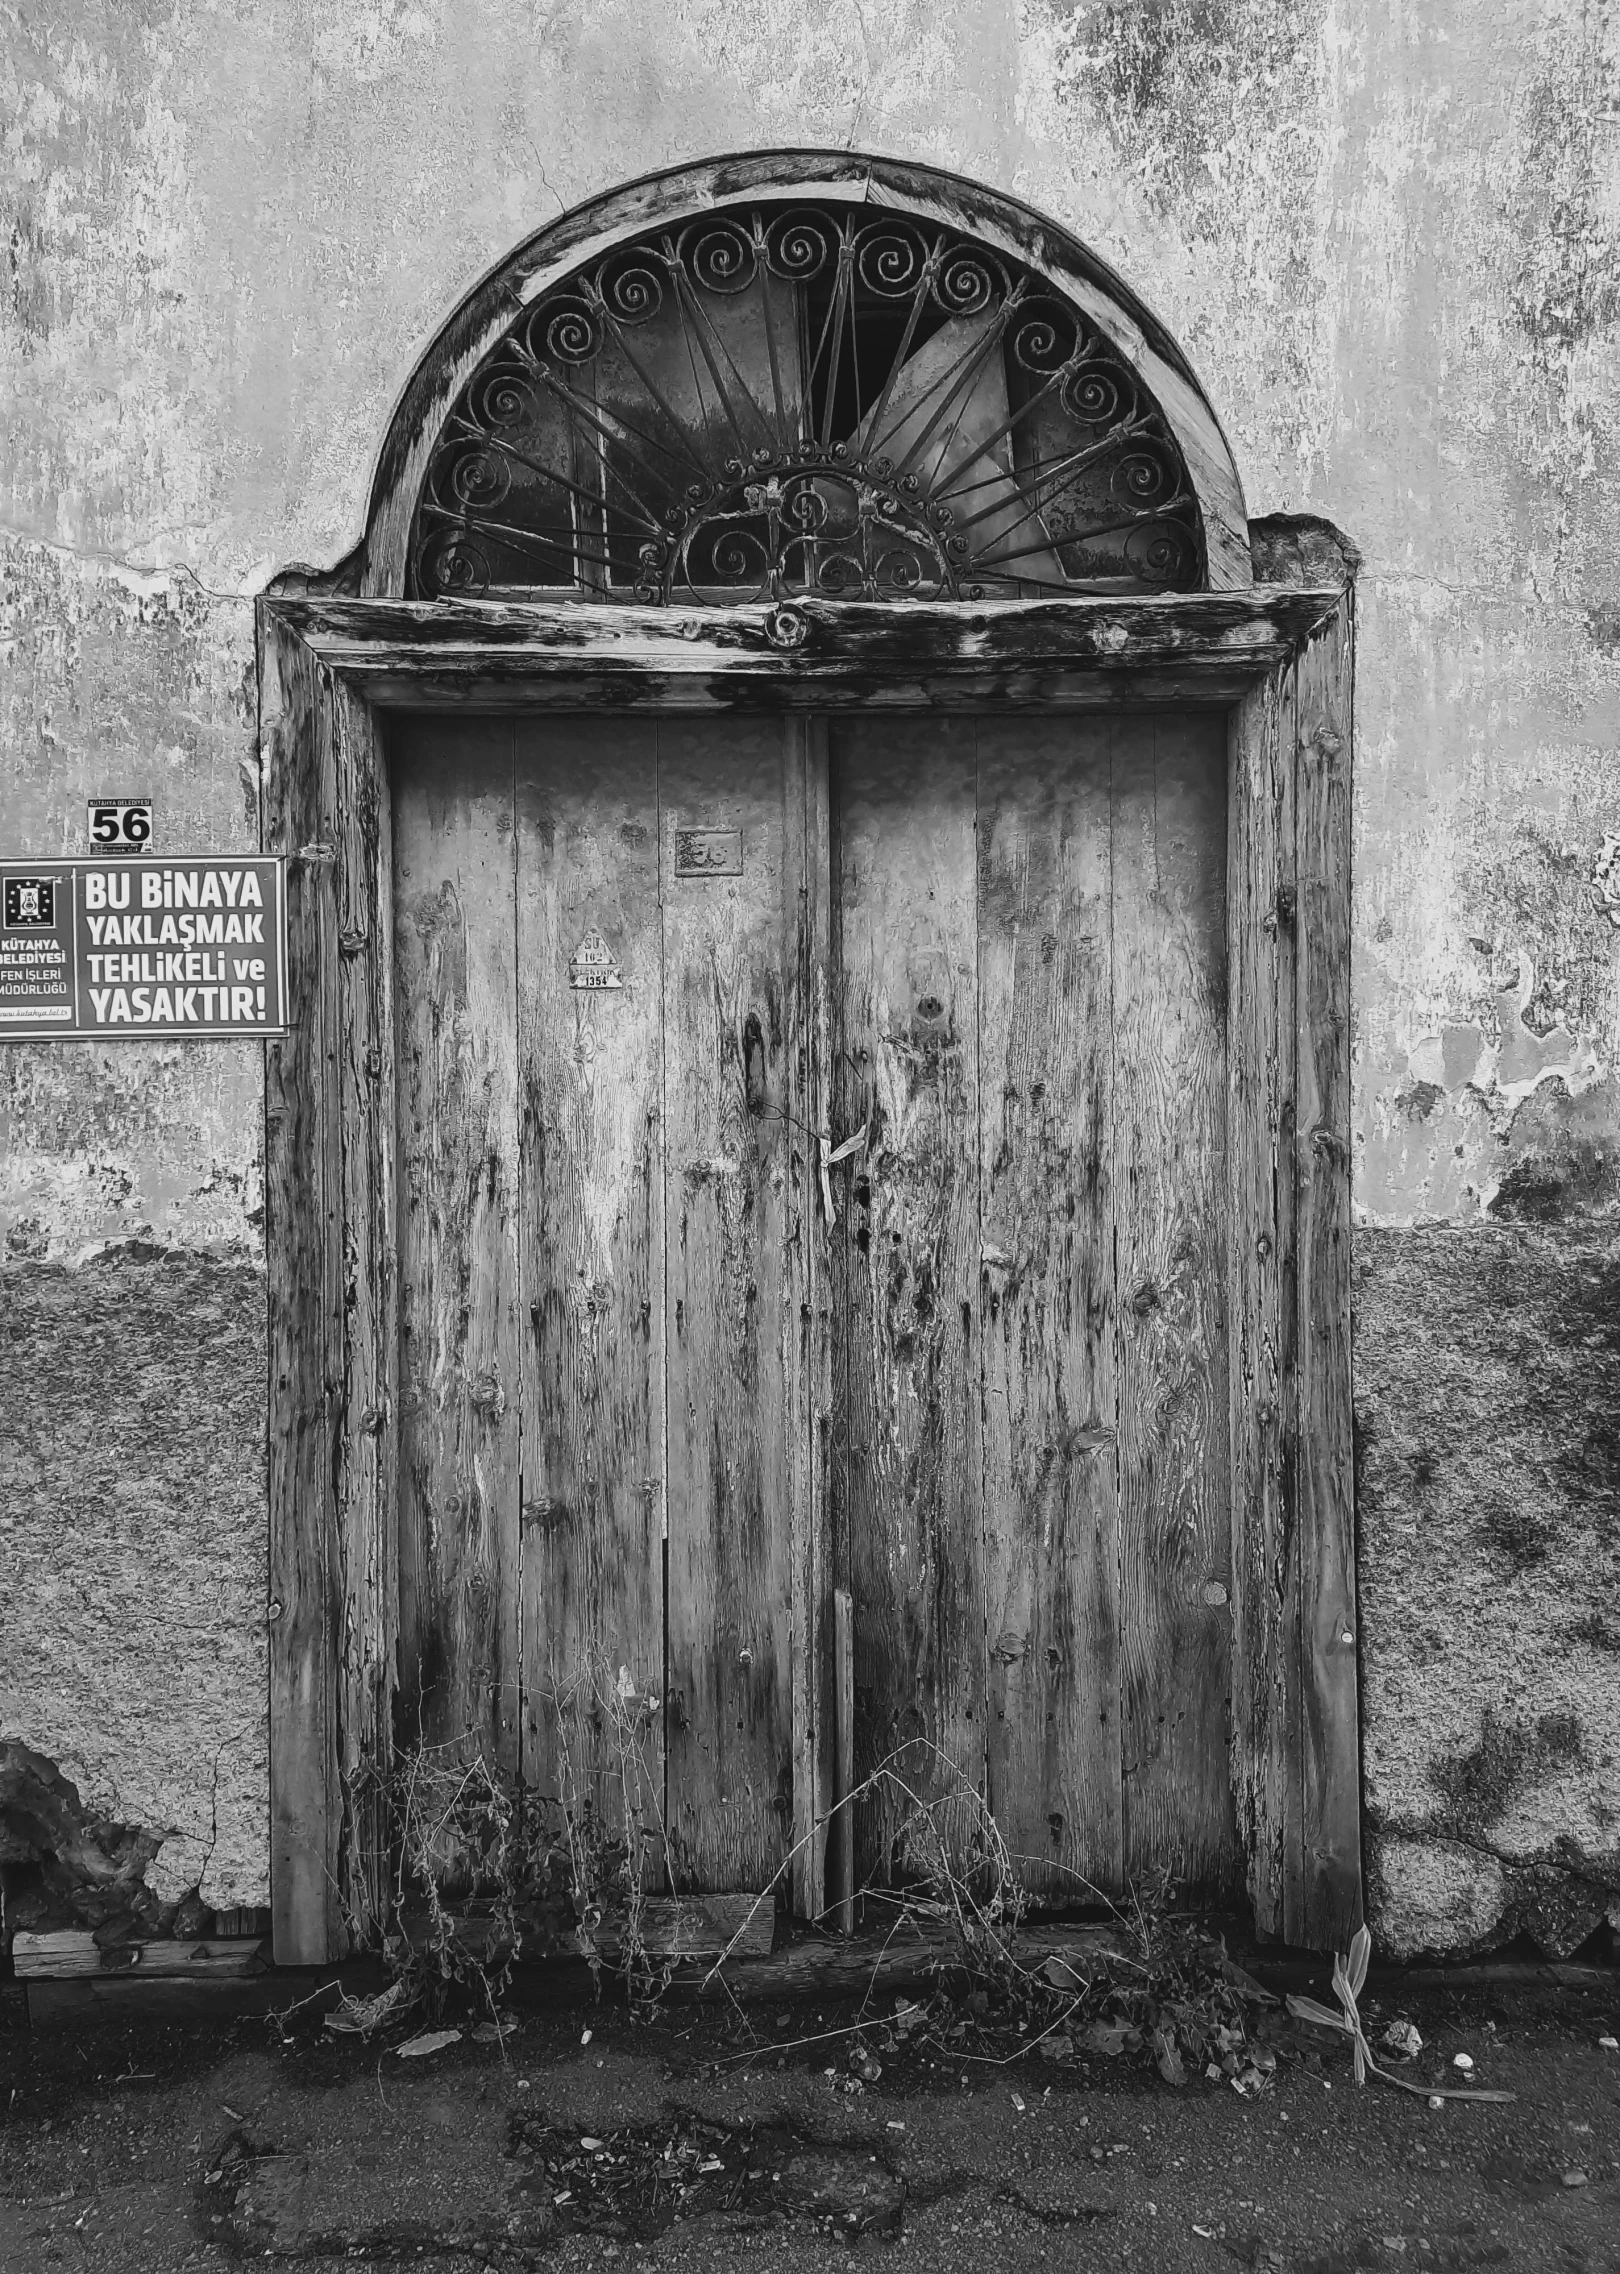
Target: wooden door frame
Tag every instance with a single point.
(1278, 660)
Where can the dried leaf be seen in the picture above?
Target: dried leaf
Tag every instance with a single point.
(1168, 2058)
(1360, 1953)
(430, 2041)
(1233, 1975)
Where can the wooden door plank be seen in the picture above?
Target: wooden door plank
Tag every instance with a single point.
(303, 1199)
(908, 1424)
(1051, 1506)
(810, 1424)
(456, 1012)
(1330, 1762)
(1169, 849)
(843, 1656)
(1261, 915)
(734, 1121)
(591, 1266)
(367, 1468)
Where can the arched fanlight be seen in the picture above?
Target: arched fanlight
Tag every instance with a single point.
(768, 402)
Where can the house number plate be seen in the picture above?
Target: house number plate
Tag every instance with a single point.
(708, 852)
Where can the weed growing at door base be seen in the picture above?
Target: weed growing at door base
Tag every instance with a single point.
(482, 1868)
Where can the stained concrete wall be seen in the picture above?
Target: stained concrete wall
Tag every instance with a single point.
(1387, 236)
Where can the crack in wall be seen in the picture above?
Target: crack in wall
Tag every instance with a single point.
(150, 573)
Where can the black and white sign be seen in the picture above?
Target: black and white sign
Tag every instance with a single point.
(131, 949)
(121, 824)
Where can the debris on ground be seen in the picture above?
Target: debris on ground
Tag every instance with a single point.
(1403, 2040)
(634, 2183)
(430, 2041)
(358, 2017)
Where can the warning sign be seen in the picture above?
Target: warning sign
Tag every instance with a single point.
(129, 949)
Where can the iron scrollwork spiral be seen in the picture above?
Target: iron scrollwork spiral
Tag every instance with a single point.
(766, 404)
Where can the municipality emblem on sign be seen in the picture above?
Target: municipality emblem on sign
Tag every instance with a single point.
(30, 900)
(592, 966)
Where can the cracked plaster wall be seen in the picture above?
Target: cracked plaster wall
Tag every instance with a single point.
(1385, 234)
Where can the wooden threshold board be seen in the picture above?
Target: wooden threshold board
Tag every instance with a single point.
(688, 1928)
(72, 1954)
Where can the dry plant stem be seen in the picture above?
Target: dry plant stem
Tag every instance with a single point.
(609, 1701)
(284, 2014)
(871, 1987)
(792, 2044)
(1349, 1976)
(454, 1817)
(923, 1816)
(1006, 2060)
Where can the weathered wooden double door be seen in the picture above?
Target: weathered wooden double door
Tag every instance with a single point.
(678, 1357)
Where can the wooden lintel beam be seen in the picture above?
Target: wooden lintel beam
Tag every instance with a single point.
(811, 653)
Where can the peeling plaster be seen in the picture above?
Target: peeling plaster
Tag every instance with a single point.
(1606, 877)
(1511, 1066)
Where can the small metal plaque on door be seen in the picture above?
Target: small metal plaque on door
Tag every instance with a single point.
(708, 852)
(592, 967)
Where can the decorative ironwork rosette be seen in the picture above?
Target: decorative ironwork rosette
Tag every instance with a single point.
(771, 404)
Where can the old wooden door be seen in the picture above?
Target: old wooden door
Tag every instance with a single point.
(1030, 1465)
(603, 1049)
(615, 1258)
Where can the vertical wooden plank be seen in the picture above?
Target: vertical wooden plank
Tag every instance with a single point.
(303, 1202)
(844, 1718)
(456, 998)
(367, 1418)
(1287, 1672)
(1051, 1505)
(735, 1125)
(1260, 1152)
(811, 1419)
(1169, 857)
(1330, 1765)
(906, 1029)
(591, 1259)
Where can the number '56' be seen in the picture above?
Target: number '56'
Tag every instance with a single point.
(115, 825)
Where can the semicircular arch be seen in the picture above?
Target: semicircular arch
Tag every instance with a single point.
(802, 372)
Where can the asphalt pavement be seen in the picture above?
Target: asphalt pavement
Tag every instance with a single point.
(709, 2139)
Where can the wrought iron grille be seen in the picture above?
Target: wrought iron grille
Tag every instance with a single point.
(763, 404)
